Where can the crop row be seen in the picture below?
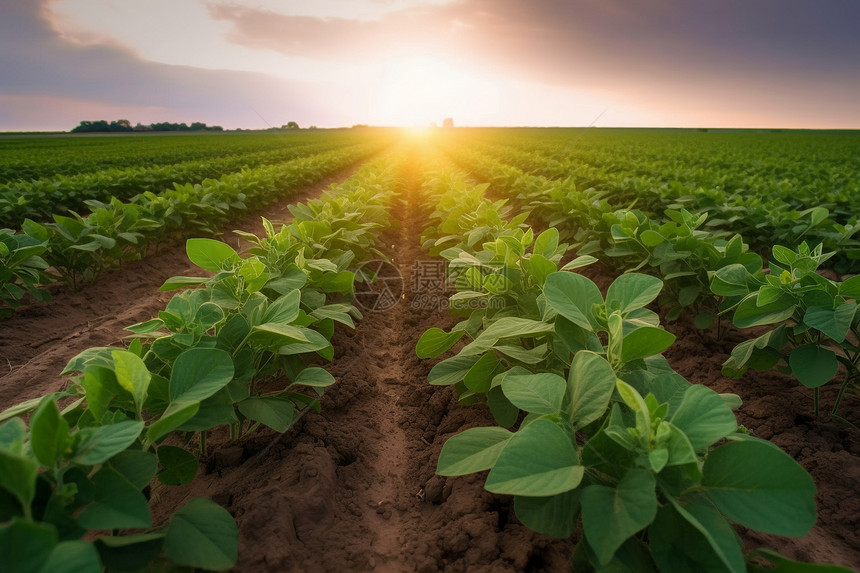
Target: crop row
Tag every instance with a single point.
(76, 249)
(239, 352)
(40, 198)
(788, 212)
(710, 275)
(596, 433)
(715, 168)
(23, 159)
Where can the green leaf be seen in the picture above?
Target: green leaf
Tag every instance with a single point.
(553, 516)
(451, 371)
(18, 476)
(651, 238)
(504, 413)
(137, 466)
(276, 413)
(210, 254)
(611, 515)
(480, 376)
(178, 282)
(73, 557)
(850, 288)
(49, 432)
(813, 365)
(591, 383)
(636, 403)
(202, 534)
(572, 296)
(146, 327)
(579, 262)
(26, 545)
(760, 487)
(176, 414)
(539, 267)
(535, 393)
(14, 432)
(546, 243)
(631, 291)
(117, 504)
(645, 341)
(784, 255)
(472, 450)
(833, 323)
(314, 377)
(180, 466)
(198, 373)
(703, 417)
(435, 341)
(678, 545)
(768, 294)
(285, 309)
(716, 530)
(539, 460)
(676, 443)
(132, 374)
(749, 313)
(730, 280)
(98, 444)
(506, 327)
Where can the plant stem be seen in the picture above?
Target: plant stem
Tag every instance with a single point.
(842, 389)
(816, 394)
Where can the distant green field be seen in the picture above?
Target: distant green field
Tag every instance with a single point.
(762, 184)
(40, 176)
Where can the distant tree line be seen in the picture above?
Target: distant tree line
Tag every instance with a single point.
(123, 125)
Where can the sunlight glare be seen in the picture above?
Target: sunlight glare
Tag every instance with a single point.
(420, 90)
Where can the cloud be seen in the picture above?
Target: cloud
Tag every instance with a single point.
(734, 56)
(36, 63)
(780, 63)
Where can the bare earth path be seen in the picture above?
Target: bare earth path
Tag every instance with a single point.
(353, 489)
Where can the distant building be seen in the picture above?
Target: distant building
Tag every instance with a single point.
(448, 122)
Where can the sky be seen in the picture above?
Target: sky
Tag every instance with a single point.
(261, 63)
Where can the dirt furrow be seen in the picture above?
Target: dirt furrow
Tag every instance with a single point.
(354, 488)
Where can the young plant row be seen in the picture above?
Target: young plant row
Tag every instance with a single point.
(238, 352)
(709, 275)
(814, 320)
(38, 199)
(677, 249)
(75, 249)
(760, 217)
(760, 186)
(596, 433)
(24, 159)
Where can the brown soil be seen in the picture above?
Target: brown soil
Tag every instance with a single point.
(354, 488)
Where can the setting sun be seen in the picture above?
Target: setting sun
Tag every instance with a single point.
(419, 90)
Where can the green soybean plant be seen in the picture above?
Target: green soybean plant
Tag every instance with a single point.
(67, 488)
(22, 267)
(259, 322)
(815, 323)
(651, 467)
